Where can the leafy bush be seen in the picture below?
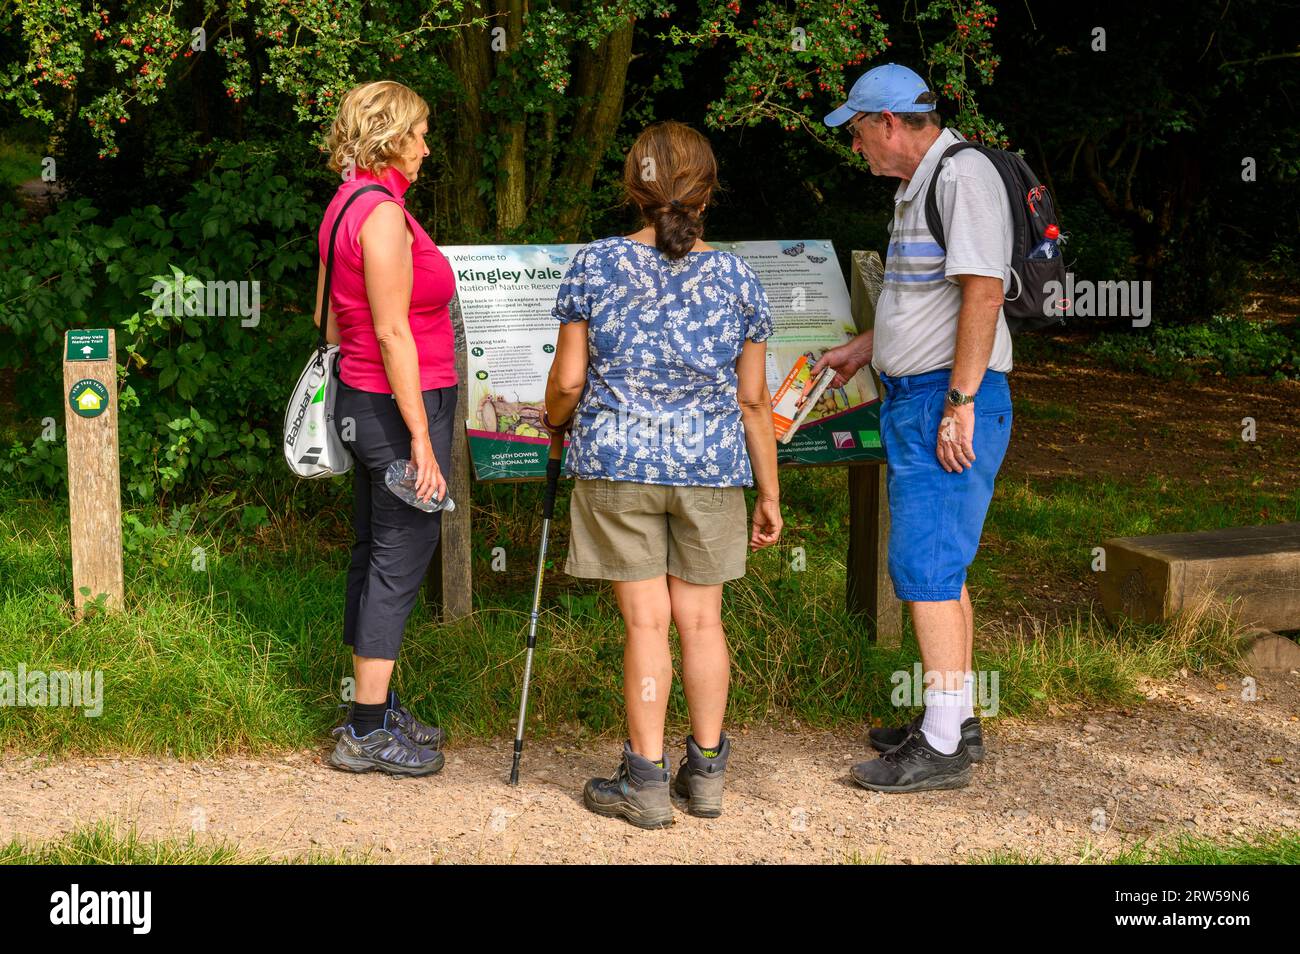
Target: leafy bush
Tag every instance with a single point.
(200, 393)
(1098, 249)
(1223, 345)
(19, 161)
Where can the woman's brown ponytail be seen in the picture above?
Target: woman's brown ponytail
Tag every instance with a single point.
(670, 174)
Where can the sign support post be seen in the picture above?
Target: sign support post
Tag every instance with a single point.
(867, 587)
(449, 582)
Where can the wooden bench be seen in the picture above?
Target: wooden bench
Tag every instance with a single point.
(1152, 578)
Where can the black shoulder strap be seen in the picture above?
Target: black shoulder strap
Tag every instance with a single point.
(933, 221)
(329, 259)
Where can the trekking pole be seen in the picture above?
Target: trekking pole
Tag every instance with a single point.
(548, 510)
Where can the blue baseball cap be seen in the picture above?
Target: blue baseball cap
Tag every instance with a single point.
(889, 87)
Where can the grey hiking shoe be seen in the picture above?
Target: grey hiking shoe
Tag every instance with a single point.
(638, 792)
(426, 736)
(886, 738)
(915, 766)
(386, 749)
(699, 779)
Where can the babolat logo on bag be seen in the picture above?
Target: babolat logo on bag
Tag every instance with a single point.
(312, 446)
(1036, 259)
(308, 399)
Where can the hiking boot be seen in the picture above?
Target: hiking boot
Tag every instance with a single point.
(427, 736)
(638, 792)
(387, 749)
(884, 739)
(699, 779)
(915, 766)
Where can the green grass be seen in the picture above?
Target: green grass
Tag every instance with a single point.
(1227, 345)
(19, 161)
(1047, 411)
(1042, 533)
(105, 844)
(242, 651)
(1260, 848)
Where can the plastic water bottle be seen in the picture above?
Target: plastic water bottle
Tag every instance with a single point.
(1047, 248)
(400, 478)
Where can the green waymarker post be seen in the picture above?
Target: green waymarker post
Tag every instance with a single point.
(94, 489)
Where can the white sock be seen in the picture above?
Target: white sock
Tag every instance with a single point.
(968, 698)
(942, 723)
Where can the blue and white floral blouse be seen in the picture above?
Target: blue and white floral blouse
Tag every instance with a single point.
(663, 338)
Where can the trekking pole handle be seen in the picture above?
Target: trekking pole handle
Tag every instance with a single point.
(552, 475)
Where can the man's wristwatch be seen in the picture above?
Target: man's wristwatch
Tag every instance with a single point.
(956, 398)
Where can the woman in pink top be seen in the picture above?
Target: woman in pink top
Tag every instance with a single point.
(388, 312)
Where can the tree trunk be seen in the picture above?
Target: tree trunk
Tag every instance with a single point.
(469, 58)
(599, 78)
(546, 165)
(563, 175)
(511, 194)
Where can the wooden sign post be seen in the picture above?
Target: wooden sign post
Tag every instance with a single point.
(867, 587)
(94, 490)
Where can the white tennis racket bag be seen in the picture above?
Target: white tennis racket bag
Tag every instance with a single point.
(312, 447)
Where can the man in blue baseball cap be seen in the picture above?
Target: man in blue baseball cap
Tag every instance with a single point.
(940, 337)
(888, 88)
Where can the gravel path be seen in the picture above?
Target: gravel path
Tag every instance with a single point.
(1194, 757)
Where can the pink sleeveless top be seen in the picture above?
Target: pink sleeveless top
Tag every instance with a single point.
(362, 365)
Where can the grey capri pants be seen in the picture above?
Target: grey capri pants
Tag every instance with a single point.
(394, 541)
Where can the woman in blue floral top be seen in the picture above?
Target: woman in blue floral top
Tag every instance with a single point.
(659, 371)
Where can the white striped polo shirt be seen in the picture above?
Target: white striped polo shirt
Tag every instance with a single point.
(916, 316)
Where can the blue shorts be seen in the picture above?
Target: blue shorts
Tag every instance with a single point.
(936, 517)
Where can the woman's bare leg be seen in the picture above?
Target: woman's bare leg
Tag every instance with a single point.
(706, 664)
(647, 662)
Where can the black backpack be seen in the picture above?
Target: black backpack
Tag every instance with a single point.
(1032, 211)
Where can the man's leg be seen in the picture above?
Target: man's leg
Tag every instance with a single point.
(968, 689)
(941, 632)
(936, 521)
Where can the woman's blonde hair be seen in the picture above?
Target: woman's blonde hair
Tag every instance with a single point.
(373, 125)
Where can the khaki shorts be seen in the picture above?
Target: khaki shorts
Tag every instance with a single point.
(622, 530)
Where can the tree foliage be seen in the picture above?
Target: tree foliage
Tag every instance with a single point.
(186, 135)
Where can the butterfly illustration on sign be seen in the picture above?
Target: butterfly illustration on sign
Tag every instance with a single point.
(793, 250)
(816, 259)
